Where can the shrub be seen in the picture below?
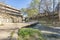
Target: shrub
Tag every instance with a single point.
(29, 34)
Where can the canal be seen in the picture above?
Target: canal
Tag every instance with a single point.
(48, 32)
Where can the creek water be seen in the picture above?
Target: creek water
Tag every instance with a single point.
(48, 36)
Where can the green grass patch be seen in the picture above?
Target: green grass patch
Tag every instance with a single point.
(29, 34)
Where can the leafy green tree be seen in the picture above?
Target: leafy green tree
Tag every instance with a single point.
(34, 4)
(23, 10)
(33, 9)
(31, 12)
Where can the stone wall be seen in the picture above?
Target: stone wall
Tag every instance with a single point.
(9, 14)
(6, 18)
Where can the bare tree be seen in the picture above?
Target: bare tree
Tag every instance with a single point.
(46, 6)
(49, 6)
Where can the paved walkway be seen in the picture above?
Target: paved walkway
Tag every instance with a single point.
(4, 34)
(7, 28)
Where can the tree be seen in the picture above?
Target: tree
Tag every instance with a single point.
(48, 7)
(32, 10)
(23, 10)
(34, 4)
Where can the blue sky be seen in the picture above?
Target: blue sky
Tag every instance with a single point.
(18, 3)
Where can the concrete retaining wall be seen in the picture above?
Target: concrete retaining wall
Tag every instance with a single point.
(16, 25)
(12, 25)
(6, 18)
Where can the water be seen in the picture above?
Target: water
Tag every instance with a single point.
(48, 36)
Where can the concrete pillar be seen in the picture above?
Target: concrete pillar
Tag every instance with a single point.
(19, 19)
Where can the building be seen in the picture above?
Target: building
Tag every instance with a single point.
(9, 14)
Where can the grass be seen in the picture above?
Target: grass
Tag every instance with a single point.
(29, 34)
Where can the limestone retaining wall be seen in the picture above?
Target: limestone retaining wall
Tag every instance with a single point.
(12, 25)
(6, 18)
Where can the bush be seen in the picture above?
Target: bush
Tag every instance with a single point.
(29, 34)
